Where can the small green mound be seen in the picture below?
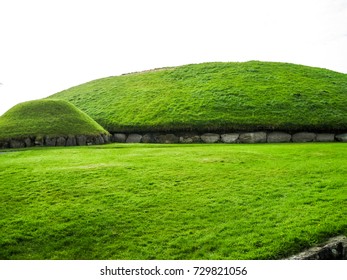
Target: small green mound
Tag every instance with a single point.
(217, 97)
(46, 118)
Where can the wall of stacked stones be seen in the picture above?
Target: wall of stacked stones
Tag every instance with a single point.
(80, 140)
(230, 138)
(170, 138)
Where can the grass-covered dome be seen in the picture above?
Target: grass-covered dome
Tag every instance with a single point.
(46, 118)
(217, 97)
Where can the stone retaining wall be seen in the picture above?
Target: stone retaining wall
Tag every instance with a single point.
(230, 138)
(334, 249)
(79, 140)
(172, 138)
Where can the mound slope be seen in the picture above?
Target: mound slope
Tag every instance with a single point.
(217, 97)
(46, 118)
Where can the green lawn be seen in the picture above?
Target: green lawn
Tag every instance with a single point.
(123, 201)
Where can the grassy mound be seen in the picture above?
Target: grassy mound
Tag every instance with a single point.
(217, 97)
(46, 117)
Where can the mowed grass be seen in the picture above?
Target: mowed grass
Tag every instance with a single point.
(137, 201)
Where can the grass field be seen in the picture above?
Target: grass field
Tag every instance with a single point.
(249, 96)
(171, 201)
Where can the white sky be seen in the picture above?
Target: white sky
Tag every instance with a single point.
(49, 45)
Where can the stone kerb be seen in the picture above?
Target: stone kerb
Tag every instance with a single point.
(171, 138)
(334, 249)
(80, 140)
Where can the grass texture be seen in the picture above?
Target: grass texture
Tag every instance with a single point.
(135, 201)
(46, 118)
(247, 96)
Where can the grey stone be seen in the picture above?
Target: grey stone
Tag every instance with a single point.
(61, 141)
(99, 140)
(4, 144)
(28, 142)
(168, 138)
(189, 138)
(334, 249)
(81, 140)
(16, 144)
(71, 141)
(90, 140)
(325, 137)
(303, 137)
(134, 138)
(119, 138)
(210, 137)
(278, 137)
(107, 138)
(149, 138)
(38, 141)
(253, 137)
(341, 137)
(230, 137)
(50, 141)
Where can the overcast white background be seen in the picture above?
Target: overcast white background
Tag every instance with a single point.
(48, 46)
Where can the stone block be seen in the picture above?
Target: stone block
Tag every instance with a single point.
(16, 144)
(303, 137)
(189, 138)
(253, 137)
(71, 141)
(149, 138)
(325, 137)
(168, 139)
(28, 142)
(341, 137)
(119, 138)
(210, 138)
(134, 138)
(50, 141)
(61, 141)
(81, 140)
(278, 137)
(230, 138)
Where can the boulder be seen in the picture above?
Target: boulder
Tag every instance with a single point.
(278, 137)
(28, 142)
(50, 141)
(149, 138)
(38, 141)
(71, 141)
(253, 137)
(134, 138)
(4, 144)
(90, 140)
(119, 138)
(210, 138)
(168, 138)
(98, 140)
(325, 137)
(189, 138)
(230, 137)
(61, 141)
(16, 144)
(303, 137)
(81, 140)
(106, 137)
(341, 137)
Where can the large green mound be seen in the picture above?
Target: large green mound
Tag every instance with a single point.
(46, 118)
(217, 97)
